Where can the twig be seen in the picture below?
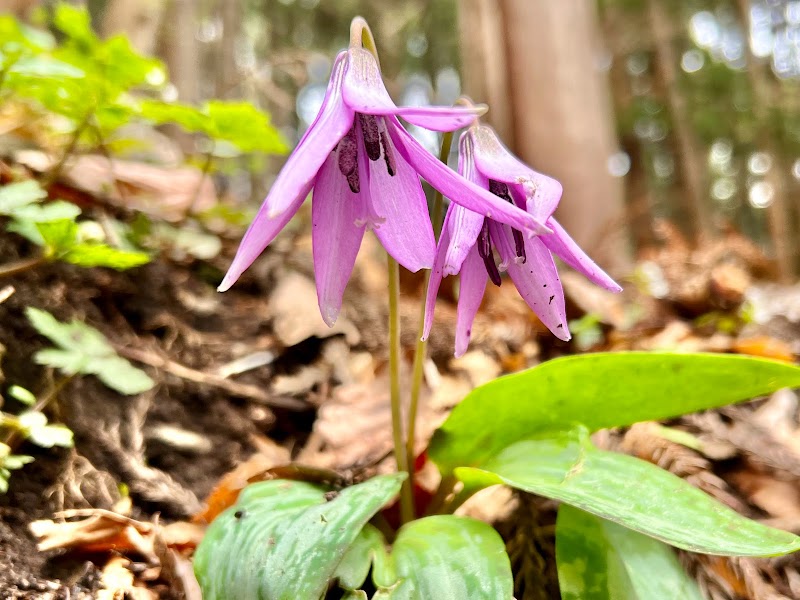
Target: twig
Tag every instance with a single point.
(234, 388)
(20, 266)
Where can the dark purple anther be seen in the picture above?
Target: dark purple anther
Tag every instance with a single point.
(388, 153)
(371, 133)
(485, 252)
(348, 159)
(500, 190)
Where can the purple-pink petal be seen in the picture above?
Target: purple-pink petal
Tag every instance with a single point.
(332, 123)
(563, 246)
(405, 229)
(364, 92)
(436, 275)
(536, 280)
(496, 162)
(458, 189)
(472, 285)
(260, 234)
(335, 236)
(464, 228)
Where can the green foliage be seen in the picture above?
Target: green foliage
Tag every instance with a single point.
(288, 540)
(238, 123)
(599, 560)
(34, 427)
(10, 462)
(83, 350)
(626, 490)
(61, 241)
(599, 391)
(283, 540)
(21, 394)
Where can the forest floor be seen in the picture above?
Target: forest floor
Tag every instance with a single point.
(252, 379)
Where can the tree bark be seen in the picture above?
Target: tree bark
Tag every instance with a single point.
(563, 119)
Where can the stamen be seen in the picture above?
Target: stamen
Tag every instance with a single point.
(519, 244)
(372, 141)
(485, 252)
(354, 182)
(500, 190)
(388, 153)
(348, 152)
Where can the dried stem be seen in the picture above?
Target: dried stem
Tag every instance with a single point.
(20, 266)
(422, 346)
(406, 497)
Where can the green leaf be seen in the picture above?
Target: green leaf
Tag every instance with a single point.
(101, 255)
(82, 349)
(450, 558)
(244, 125)
(21, 394)
(599, 391)
(43, 66)
(369, 546)
(17, 195)
(600, 560)
(283, 540)
(75, 23)
(187, 117)
(634, 493)
(58, 236)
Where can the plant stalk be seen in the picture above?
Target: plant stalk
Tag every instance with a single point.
(406, 496)
(422, 346)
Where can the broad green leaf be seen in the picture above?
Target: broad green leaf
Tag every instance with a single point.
(17, 195)
(75, 23)
(187, 117)
(634, 493)
(101, 255)
(283, 540)
(600, 560)
(450, 558)
(598, 391)
(82, 349)
(353, 570)
(244, 125)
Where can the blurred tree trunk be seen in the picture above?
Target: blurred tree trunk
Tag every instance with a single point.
(691, 160)
(181, 51)
(764, 97)
(486, 77)
(139, 20)
(560, 107)
(230, 12)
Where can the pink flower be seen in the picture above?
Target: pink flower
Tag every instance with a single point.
(467, 240)
(364, 169)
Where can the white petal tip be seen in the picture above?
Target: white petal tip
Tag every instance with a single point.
(329, 315)
(227, 283)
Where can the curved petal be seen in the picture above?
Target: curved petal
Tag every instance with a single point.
(561, 244)
(335, 237)
(458, 189)
(257, 239)
(472, 285)
(405, 231)
(436, 276)
(536, 280)
(364, 92)
(464, 228)
(495, 161)
(332, 123)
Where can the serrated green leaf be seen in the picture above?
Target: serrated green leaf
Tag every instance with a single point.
(120, 375)
(634, 493)
(75, 23)
(101, 255)
(43, 66)
(244, 125)
(599, 391)
(187, 117)
(600, 560)
(450, 558)
(83, 349)
(58, 236)
(283, 540)
(17, 195)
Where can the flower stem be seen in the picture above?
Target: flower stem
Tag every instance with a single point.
(406, 496)
(361, 37)
(422, 346)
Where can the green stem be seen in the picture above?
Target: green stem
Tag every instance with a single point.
(21, 266)
(446, 487)
(52, 176)
(422, 346)
(406, 497)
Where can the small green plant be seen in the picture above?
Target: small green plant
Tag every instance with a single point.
(82, 350)
(55, 228)
(31, 425)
